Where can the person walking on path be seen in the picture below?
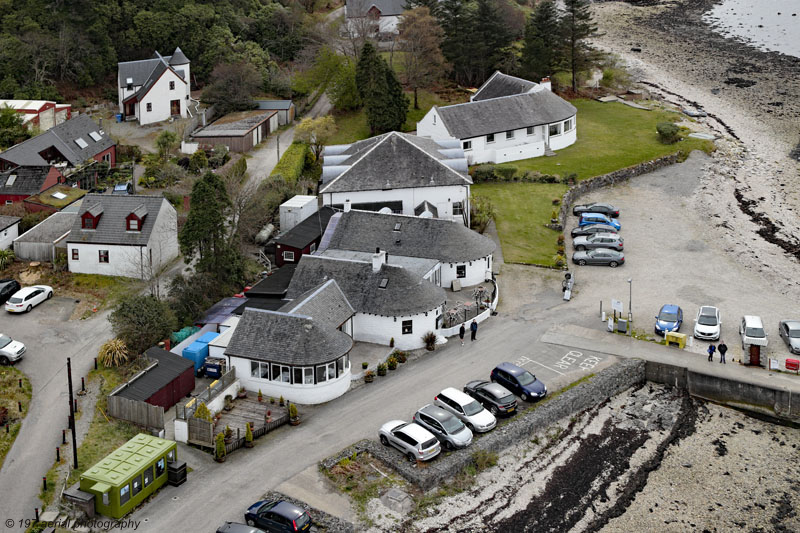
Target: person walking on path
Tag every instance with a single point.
(711, 350)
(723, 348)
(474, 329)
(461, 332)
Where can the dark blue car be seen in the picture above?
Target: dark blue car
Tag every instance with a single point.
(669, 319)
(587, 219)
(519, 381)
(278, 516)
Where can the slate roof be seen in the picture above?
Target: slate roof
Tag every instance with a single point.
(235, 124)
(388, 8)
(269, 304)
(308, 230)
(29, 180)
(7, 221)
(62, 137)
(417, 265)
(443, 240)
(502, 85)
(168, 368)
(425, 205)
(274, 285)
(141, 71)
(325, 303)
(405, 294)
(473, 119)
(393, 160)
(112, 227)
(286, 338)
(49, 229)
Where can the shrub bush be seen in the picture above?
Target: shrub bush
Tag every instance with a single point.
(391, 363)
(113, 352)
(667, 132)
(198, 161)
(505, 173)
(292, 163)
(202, 412)
(219, 453)
(219, 156)
(482, 211)
(400, 355)
(561, 239)
(430, 340)
(483, 173)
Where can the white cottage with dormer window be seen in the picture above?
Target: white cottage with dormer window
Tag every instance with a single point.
(152, 90)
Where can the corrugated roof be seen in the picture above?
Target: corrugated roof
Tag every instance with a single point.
(432, 238)
(308, 230)
(473, 119)
(168, 368)
(112, 227)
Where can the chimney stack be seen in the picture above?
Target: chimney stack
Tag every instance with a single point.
(546, 84)
(378, 260)
(346, 206)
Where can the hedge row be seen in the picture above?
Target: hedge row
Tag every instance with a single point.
(492, 173)
(292, 162)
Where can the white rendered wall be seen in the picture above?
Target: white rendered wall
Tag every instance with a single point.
(431, 126)
(302, 394)
(565, 139)
(441, 197)
(477, 272)
(160, 96)
(8, 235)
(381, 329)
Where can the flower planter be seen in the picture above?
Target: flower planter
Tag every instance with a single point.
(381, 371)
(294, 421)
(249, 444)
(220, 459)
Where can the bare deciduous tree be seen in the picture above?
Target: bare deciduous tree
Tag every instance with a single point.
(421, 40)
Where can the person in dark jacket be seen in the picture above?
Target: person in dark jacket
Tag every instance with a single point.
(711, 350)
(474, 329)
(722, 348)
(461, 333)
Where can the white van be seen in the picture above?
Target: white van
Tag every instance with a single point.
(752, 331)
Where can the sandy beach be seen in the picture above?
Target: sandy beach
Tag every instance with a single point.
(752, 192)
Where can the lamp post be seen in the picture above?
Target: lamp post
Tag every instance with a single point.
(630, 299)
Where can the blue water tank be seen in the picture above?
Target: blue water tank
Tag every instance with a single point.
(207, 337)
(197, 353)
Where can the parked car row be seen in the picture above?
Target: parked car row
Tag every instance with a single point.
(596, 240)
(454, 416)
(708, 326)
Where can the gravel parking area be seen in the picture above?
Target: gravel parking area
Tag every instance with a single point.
(672, 257)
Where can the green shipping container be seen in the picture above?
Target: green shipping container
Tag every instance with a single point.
(130, 474)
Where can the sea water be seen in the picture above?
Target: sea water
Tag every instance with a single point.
(769, 25)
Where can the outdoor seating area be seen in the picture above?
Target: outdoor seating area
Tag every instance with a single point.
(466, 304)
(250, 410)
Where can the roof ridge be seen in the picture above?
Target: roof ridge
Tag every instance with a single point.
(375, 145)
(437, 159)
(487, 100)
(483, 86)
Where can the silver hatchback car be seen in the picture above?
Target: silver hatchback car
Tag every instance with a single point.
(450, 431)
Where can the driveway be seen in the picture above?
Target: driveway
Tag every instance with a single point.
(50, 338)
(672, 259)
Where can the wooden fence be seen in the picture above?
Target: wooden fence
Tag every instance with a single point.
(258, 432)
(201, 432)
(140, 413)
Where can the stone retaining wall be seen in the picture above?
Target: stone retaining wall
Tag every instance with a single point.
(612, 178)
(609, 382)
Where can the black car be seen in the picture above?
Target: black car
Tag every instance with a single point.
(494, 397)
(233, 527)
(519, 381)
(7, 288)
(278, 516)
(581, 231)
(606, 209)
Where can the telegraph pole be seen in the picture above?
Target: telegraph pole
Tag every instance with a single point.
(72, 414)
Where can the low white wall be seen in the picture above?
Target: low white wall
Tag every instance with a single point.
(449, 332)
(189, 148)
(515, 153)
(564, 140)
(181, 431)
(216, 405)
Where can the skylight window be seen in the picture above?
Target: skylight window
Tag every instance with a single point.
(384, 283)
(59, 195)
(80, 142)
(397, 227)
(11, 179)
(95, 136)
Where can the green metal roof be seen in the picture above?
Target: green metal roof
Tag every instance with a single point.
(128, 460)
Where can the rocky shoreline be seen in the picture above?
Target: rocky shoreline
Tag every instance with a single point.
(750, 192)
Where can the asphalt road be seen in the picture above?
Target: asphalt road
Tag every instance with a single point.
(50, 338)
(325, 430)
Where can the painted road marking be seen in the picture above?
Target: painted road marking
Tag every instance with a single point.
(587, 362)
(522, 361)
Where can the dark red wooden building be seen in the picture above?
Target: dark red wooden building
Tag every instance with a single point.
(165, 384)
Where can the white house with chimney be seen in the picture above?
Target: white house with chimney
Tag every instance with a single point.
(507, 119)
(155, 89)
(374, 16)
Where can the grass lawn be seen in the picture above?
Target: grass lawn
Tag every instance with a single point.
(353, 124)
(611, 136)
(523, 209)
(10, 394)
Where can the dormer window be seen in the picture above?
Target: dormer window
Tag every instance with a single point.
(91, 217)
(133, 224)
(88, 222)
(134, 221)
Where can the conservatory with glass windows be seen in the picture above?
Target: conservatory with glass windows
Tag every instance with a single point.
(126, 477)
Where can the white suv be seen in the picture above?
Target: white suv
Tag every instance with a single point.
(752, 331)
(416, 442)
(707, 323)
(466, 408)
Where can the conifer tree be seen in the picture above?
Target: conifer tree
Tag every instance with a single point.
(577, 27)
(542, 52)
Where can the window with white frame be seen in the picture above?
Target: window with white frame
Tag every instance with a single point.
(555, 129)
(107, 158)
(103, 256)
(568, 125)
(149, 107)
(264, 368)
(467, 145)
(288, 256)
(330, 368)
(461, 271)
(531, 130)
(313, 248)
(280, 373)
(75, 254)
(458, 208)
(510, 134)
(490, 138)
(321, 374)
(172, 86)
(308, 376)
(255, 370)
(408, 327)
